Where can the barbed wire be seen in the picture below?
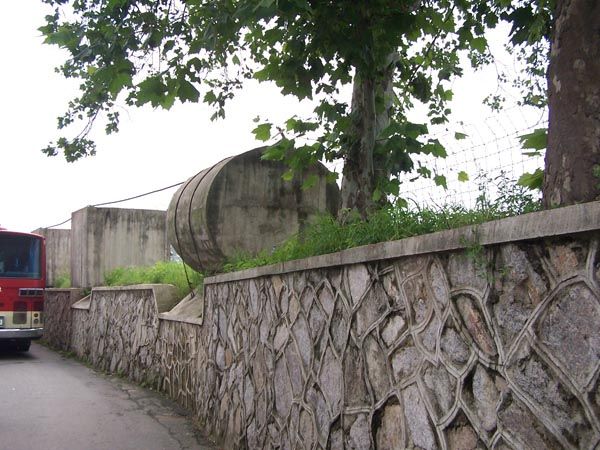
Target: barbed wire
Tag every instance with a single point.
(490, 150)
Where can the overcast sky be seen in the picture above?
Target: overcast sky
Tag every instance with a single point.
(154, 148)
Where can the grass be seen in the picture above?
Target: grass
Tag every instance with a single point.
(162, 272)
(328, 235)
(62, 281)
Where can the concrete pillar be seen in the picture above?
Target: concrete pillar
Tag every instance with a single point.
(58, 253)
(103, 239)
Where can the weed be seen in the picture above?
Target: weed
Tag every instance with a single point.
(161, 272)
(499, 198)
(476, 254)
(596, 173)
(62, 281)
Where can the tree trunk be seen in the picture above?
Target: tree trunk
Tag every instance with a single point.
(358, 183)
(572, 165)
(372, 98)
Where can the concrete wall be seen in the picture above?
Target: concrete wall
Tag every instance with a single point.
(408, 344)
(58, 253)
(105, 238)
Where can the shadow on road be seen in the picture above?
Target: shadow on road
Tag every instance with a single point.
(8, 352)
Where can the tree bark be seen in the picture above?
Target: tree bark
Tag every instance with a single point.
(358, 183)
(572, 165)
(362, 167)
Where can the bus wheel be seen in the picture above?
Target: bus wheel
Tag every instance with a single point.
(23, 346)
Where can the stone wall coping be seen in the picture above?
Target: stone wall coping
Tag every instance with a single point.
(181, 319)
(131, 287)
(64, 290)
(164, 295)
(189, 310)
(543, 224)
(83, 304)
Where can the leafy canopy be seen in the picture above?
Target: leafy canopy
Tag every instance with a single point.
(158, 52)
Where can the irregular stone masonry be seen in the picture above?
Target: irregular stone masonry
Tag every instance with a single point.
(58, 316)
(431, 352)
(117, 330)
(439, 351)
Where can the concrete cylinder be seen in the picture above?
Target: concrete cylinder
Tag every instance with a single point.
(243, 205)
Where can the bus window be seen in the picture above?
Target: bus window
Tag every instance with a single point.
(20, 257)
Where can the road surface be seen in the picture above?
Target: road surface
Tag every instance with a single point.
(51, 402)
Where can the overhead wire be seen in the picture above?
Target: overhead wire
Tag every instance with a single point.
(124, 200)
(59, 224)
(137, 196)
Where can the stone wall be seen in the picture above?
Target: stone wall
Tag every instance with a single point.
(183, 359)
(433, 352)
(116, 328)
(59, 316)
(420, 343)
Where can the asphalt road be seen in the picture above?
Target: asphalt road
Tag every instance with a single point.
(51, 402)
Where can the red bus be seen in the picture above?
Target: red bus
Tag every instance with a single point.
(22, 283)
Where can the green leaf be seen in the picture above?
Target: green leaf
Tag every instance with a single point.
(446, 94)
(310, 181)
(435, 148)
(290, 124)
(112, 4)
(532, 180)
(119, 81)
(421, 87)
(424, 171)
(459, 136)
(463, 176)
(65, 36)
(377, 194)
(151, 90)
(393, 187)
(263, 132)
(273, 153)
(300, 126)
(263, 74)
(265, 4)
(414, 130)
(479, 44)
(537, 140)
(168, 46)
(210, 98)
(288, 175)
(168, 100)
(401, 203)
(306, 48)
(392, 129)
(440, 180)
(187, 92)
(332, 177)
